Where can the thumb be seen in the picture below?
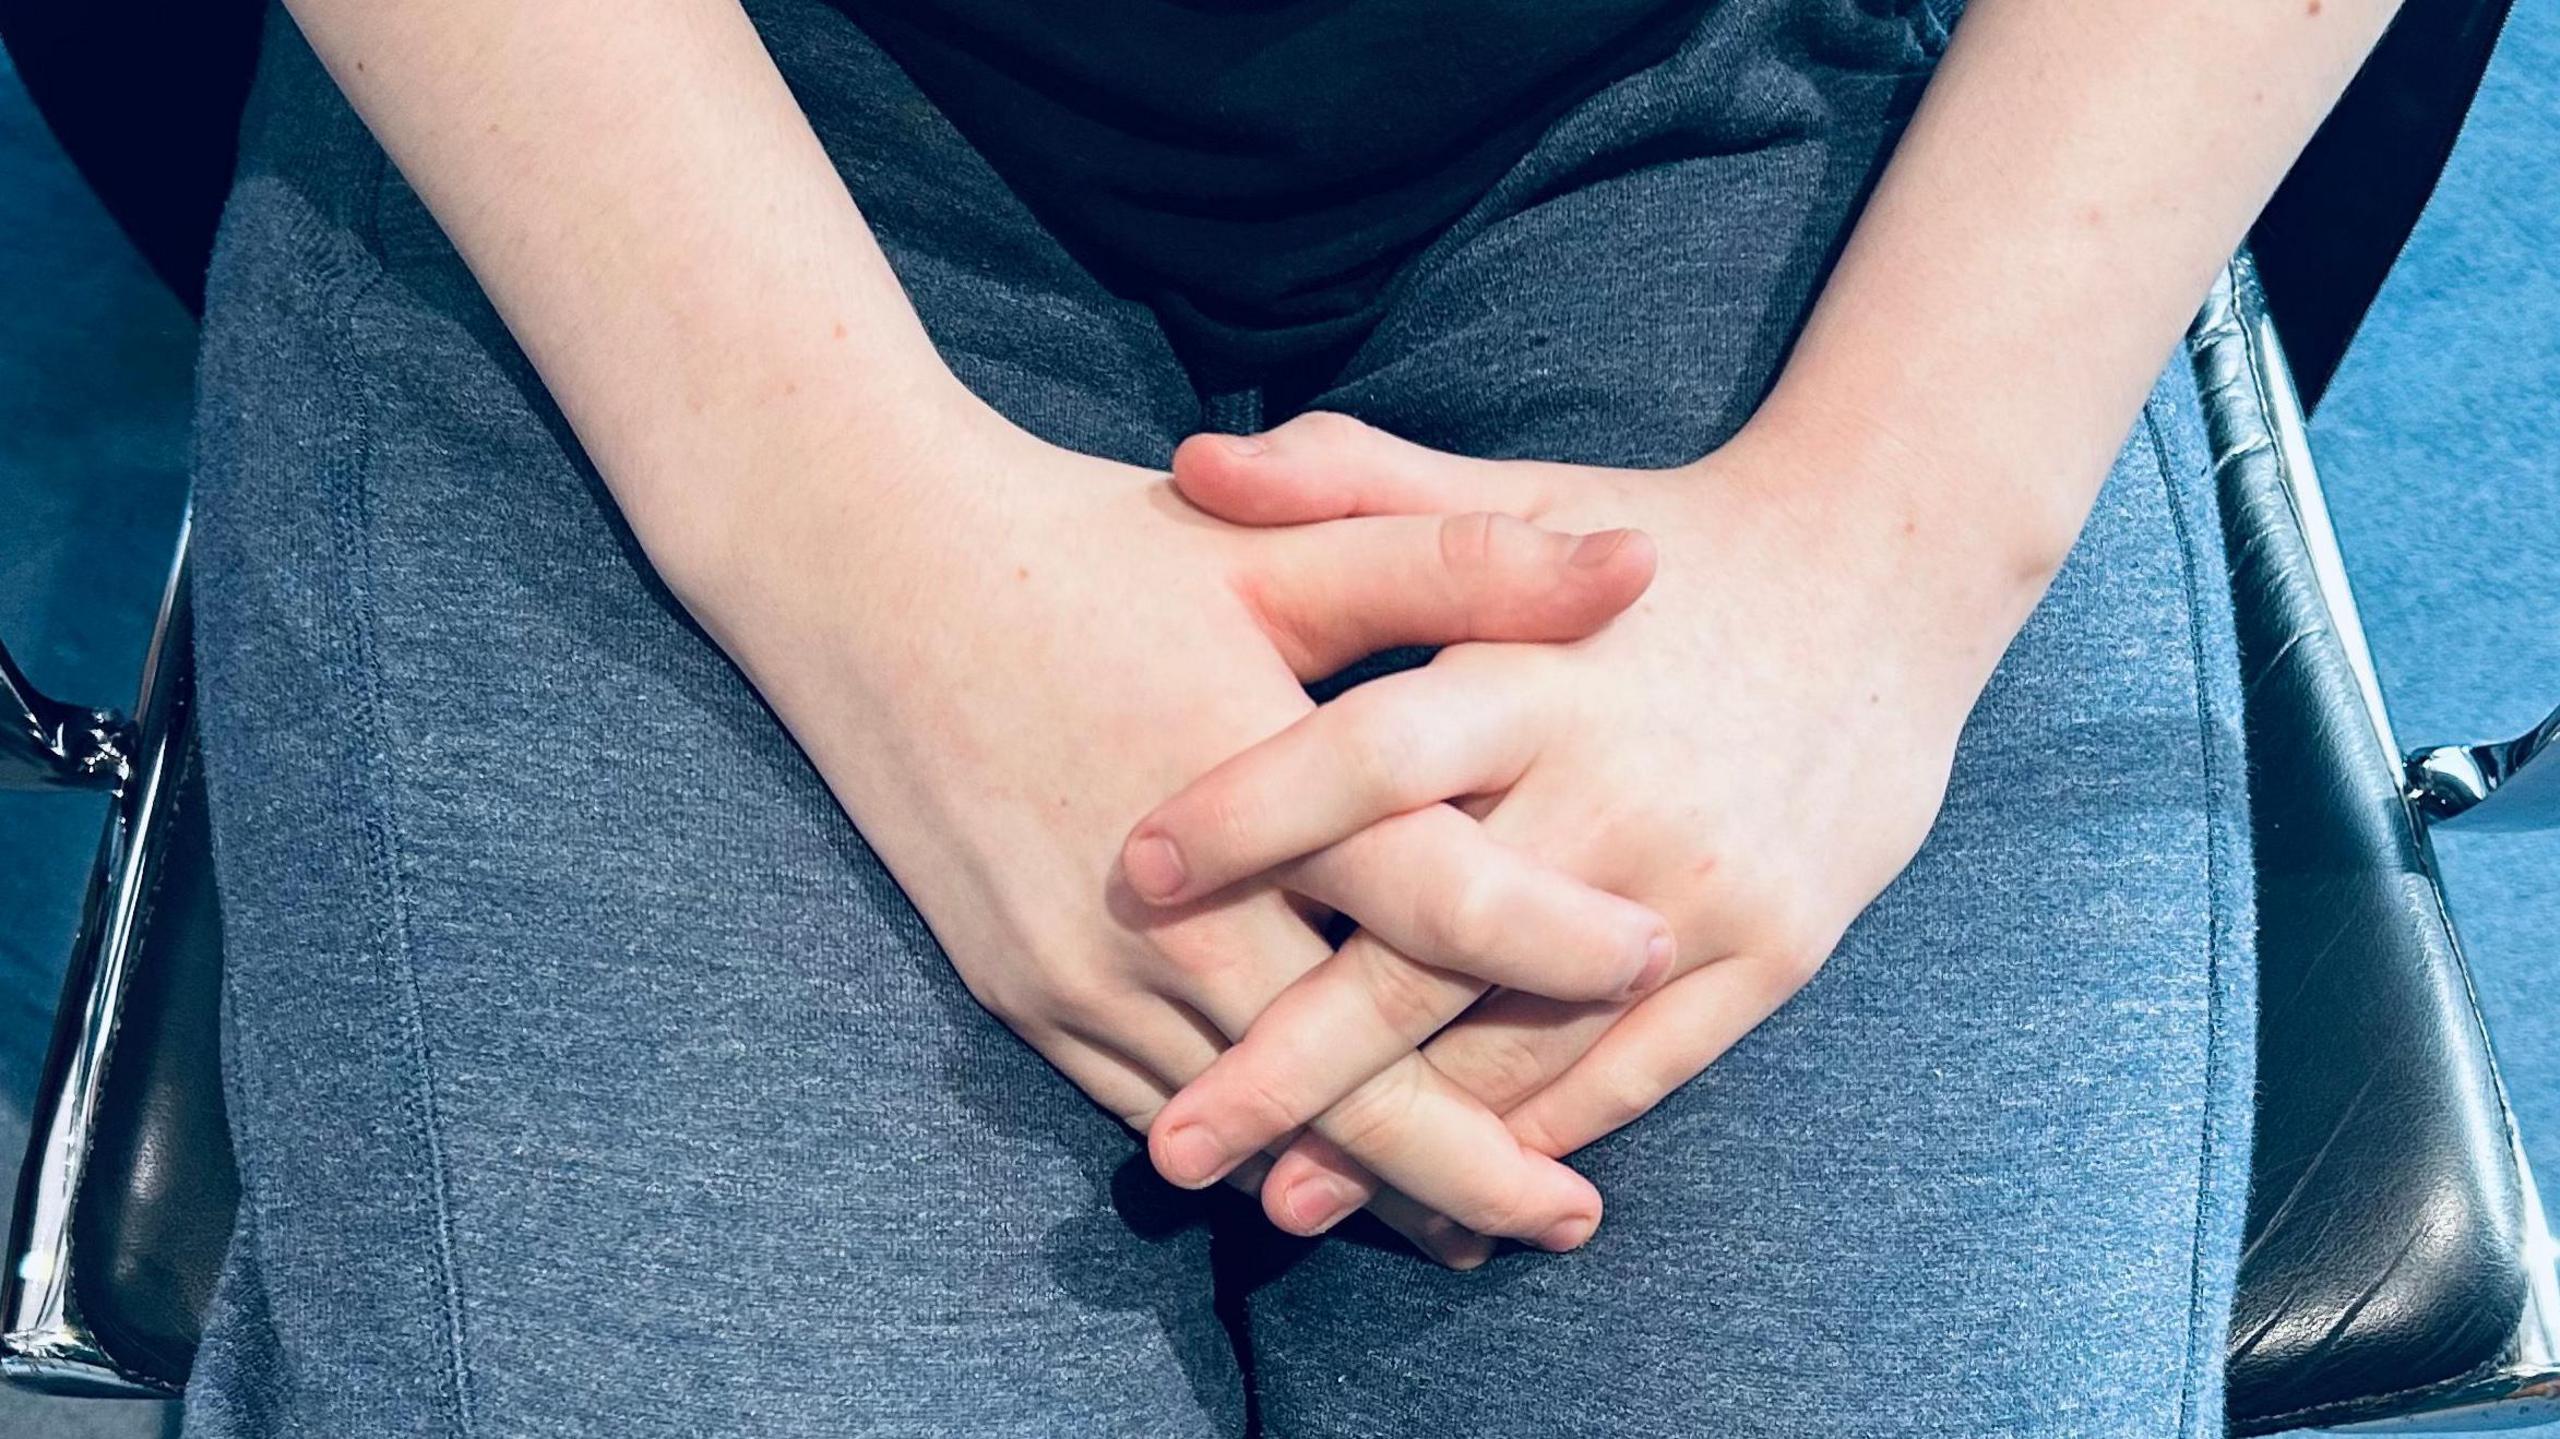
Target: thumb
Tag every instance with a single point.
(1328, 466)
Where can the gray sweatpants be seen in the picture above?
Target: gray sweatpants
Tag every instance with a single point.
(591, 1076)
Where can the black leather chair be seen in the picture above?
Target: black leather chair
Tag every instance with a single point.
(2398, 1267)
(2396, 1264)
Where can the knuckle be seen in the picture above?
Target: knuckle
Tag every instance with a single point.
(1386, 748)
(1328, 427)
(1466, 917)
(1008, 996)
(1494, 1201)
(1536, 1135)
(1019, 1011)
(1500, 1067)
(1469, 543)
(1506, 1212)
(1794, 966)
(1261, 1106)
(1789, 946)
(1198, 967)
(1076, 999)
(1405, 996)
(1372, 1117)
(1623, 1092)
(1226, 821)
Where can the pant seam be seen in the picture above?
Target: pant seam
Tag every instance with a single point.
(1233, 412)
(2200, 1323)
(381, 830)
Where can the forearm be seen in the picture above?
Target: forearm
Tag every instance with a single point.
(2074, 177)
(642, 199)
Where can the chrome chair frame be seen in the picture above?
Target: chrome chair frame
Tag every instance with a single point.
(45, 1342)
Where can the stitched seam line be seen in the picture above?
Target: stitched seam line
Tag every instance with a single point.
(242, 1090)
(381, 825)
(2218, 925)
(2376, 1406)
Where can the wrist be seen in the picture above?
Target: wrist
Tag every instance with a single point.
(1938, 561)
(832, 480)
(1990, 529)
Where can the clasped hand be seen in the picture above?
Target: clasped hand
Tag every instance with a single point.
(1753, 750)
(1681, 732)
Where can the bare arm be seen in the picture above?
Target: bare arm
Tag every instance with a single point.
(643, 200)
(2075, 176)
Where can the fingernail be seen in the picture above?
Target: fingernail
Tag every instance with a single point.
(1245, 446)
(1593, 551)
(1318, 1202)
(1658, 952)
(1189, 1155)
(1567, 1234)
(1154, 867)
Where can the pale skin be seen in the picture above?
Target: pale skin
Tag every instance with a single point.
(923, 591)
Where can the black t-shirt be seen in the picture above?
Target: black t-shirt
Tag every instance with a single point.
(1257, 168)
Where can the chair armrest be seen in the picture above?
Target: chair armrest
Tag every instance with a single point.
(2389, 1266)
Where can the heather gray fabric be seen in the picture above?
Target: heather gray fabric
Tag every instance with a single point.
(591, 1077)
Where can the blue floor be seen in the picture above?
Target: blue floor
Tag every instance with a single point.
(2438, 444)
